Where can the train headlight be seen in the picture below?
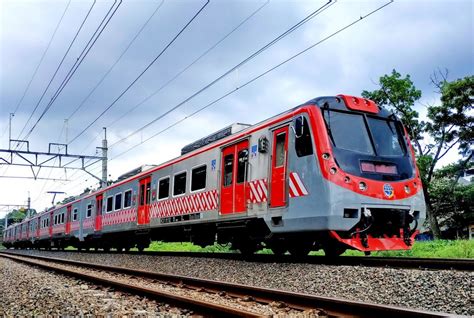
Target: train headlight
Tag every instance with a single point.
(347, 179)
(333, 170)
(362, 186)
(326, 156)
(407, 189)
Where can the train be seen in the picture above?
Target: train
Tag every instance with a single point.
(334, 173)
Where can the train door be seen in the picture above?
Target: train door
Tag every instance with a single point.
(68, 219)
(144, 200)
(98, 212)
(234, 178)
(28, 230)
(278, 186)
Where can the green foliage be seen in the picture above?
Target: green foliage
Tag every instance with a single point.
(452, 202)
(436, 249)
(452, 122)
(16, 216)
(186, 247)
(457, 107)
(429, 249)
(424, 163)
(399, 95)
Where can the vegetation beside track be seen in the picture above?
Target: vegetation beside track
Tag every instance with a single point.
(438, 248)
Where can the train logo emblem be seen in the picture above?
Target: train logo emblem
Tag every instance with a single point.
(388, 190)
(253, 151)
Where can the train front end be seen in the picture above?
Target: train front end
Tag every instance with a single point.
(373, 185)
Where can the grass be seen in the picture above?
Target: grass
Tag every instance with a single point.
(426, 249)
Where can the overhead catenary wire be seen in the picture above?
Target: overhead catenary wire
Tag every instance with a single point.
(142, 72)
(256, 77)
(57, 69)
(73, 70)
(42, 58)
(116, 61)
(78, 62)
(246, 60)
(97, 85)
(206, 52)
(33, 76)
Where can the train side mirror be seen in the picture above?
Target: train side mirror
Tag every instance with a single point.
(298, 127)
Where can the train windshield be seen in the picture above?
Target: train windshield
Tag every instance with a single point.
(364, 134)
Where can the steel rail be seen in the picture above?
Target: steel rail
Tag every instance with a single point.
(333, 306)
(200, 306)
(464, 264)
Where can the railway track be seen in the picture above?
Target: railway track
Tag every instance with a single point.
(145, 283)
(372, 261)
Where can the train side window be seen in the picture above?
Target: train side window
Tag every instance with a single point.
(179, 183)
(89, 211)
(62, 218)
(110, 202)
(74, 215)
(242, 159)
(303, 142)
(148, 192)
(142, 194)
(228, 169)
(127, 199)
(198, 178)
(118, 201)
(280, 150)
(164, 188)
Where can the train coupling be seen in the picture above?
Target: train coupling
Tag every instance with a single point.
(381, 229)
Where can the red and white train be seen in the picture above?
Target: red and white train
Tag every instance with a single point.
(333, 173)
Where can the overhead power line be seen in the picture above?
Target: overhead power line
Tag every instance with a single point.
(78, 62)
(255, 78)
(116, 61)
(42, 58)
(246, 60)
(143, 72)
(98, 84)
(57, 69)
(212, 47)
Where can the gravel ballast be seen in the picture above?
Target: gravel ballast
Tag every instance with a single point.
(246, 304)
(28, 291)
(441, 290)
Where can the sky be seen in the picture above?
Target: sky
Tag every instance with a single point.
(413, 37)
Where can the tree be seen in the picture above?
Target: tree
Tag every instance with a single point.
(450, 124)
(16, 216)
(452, 201)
